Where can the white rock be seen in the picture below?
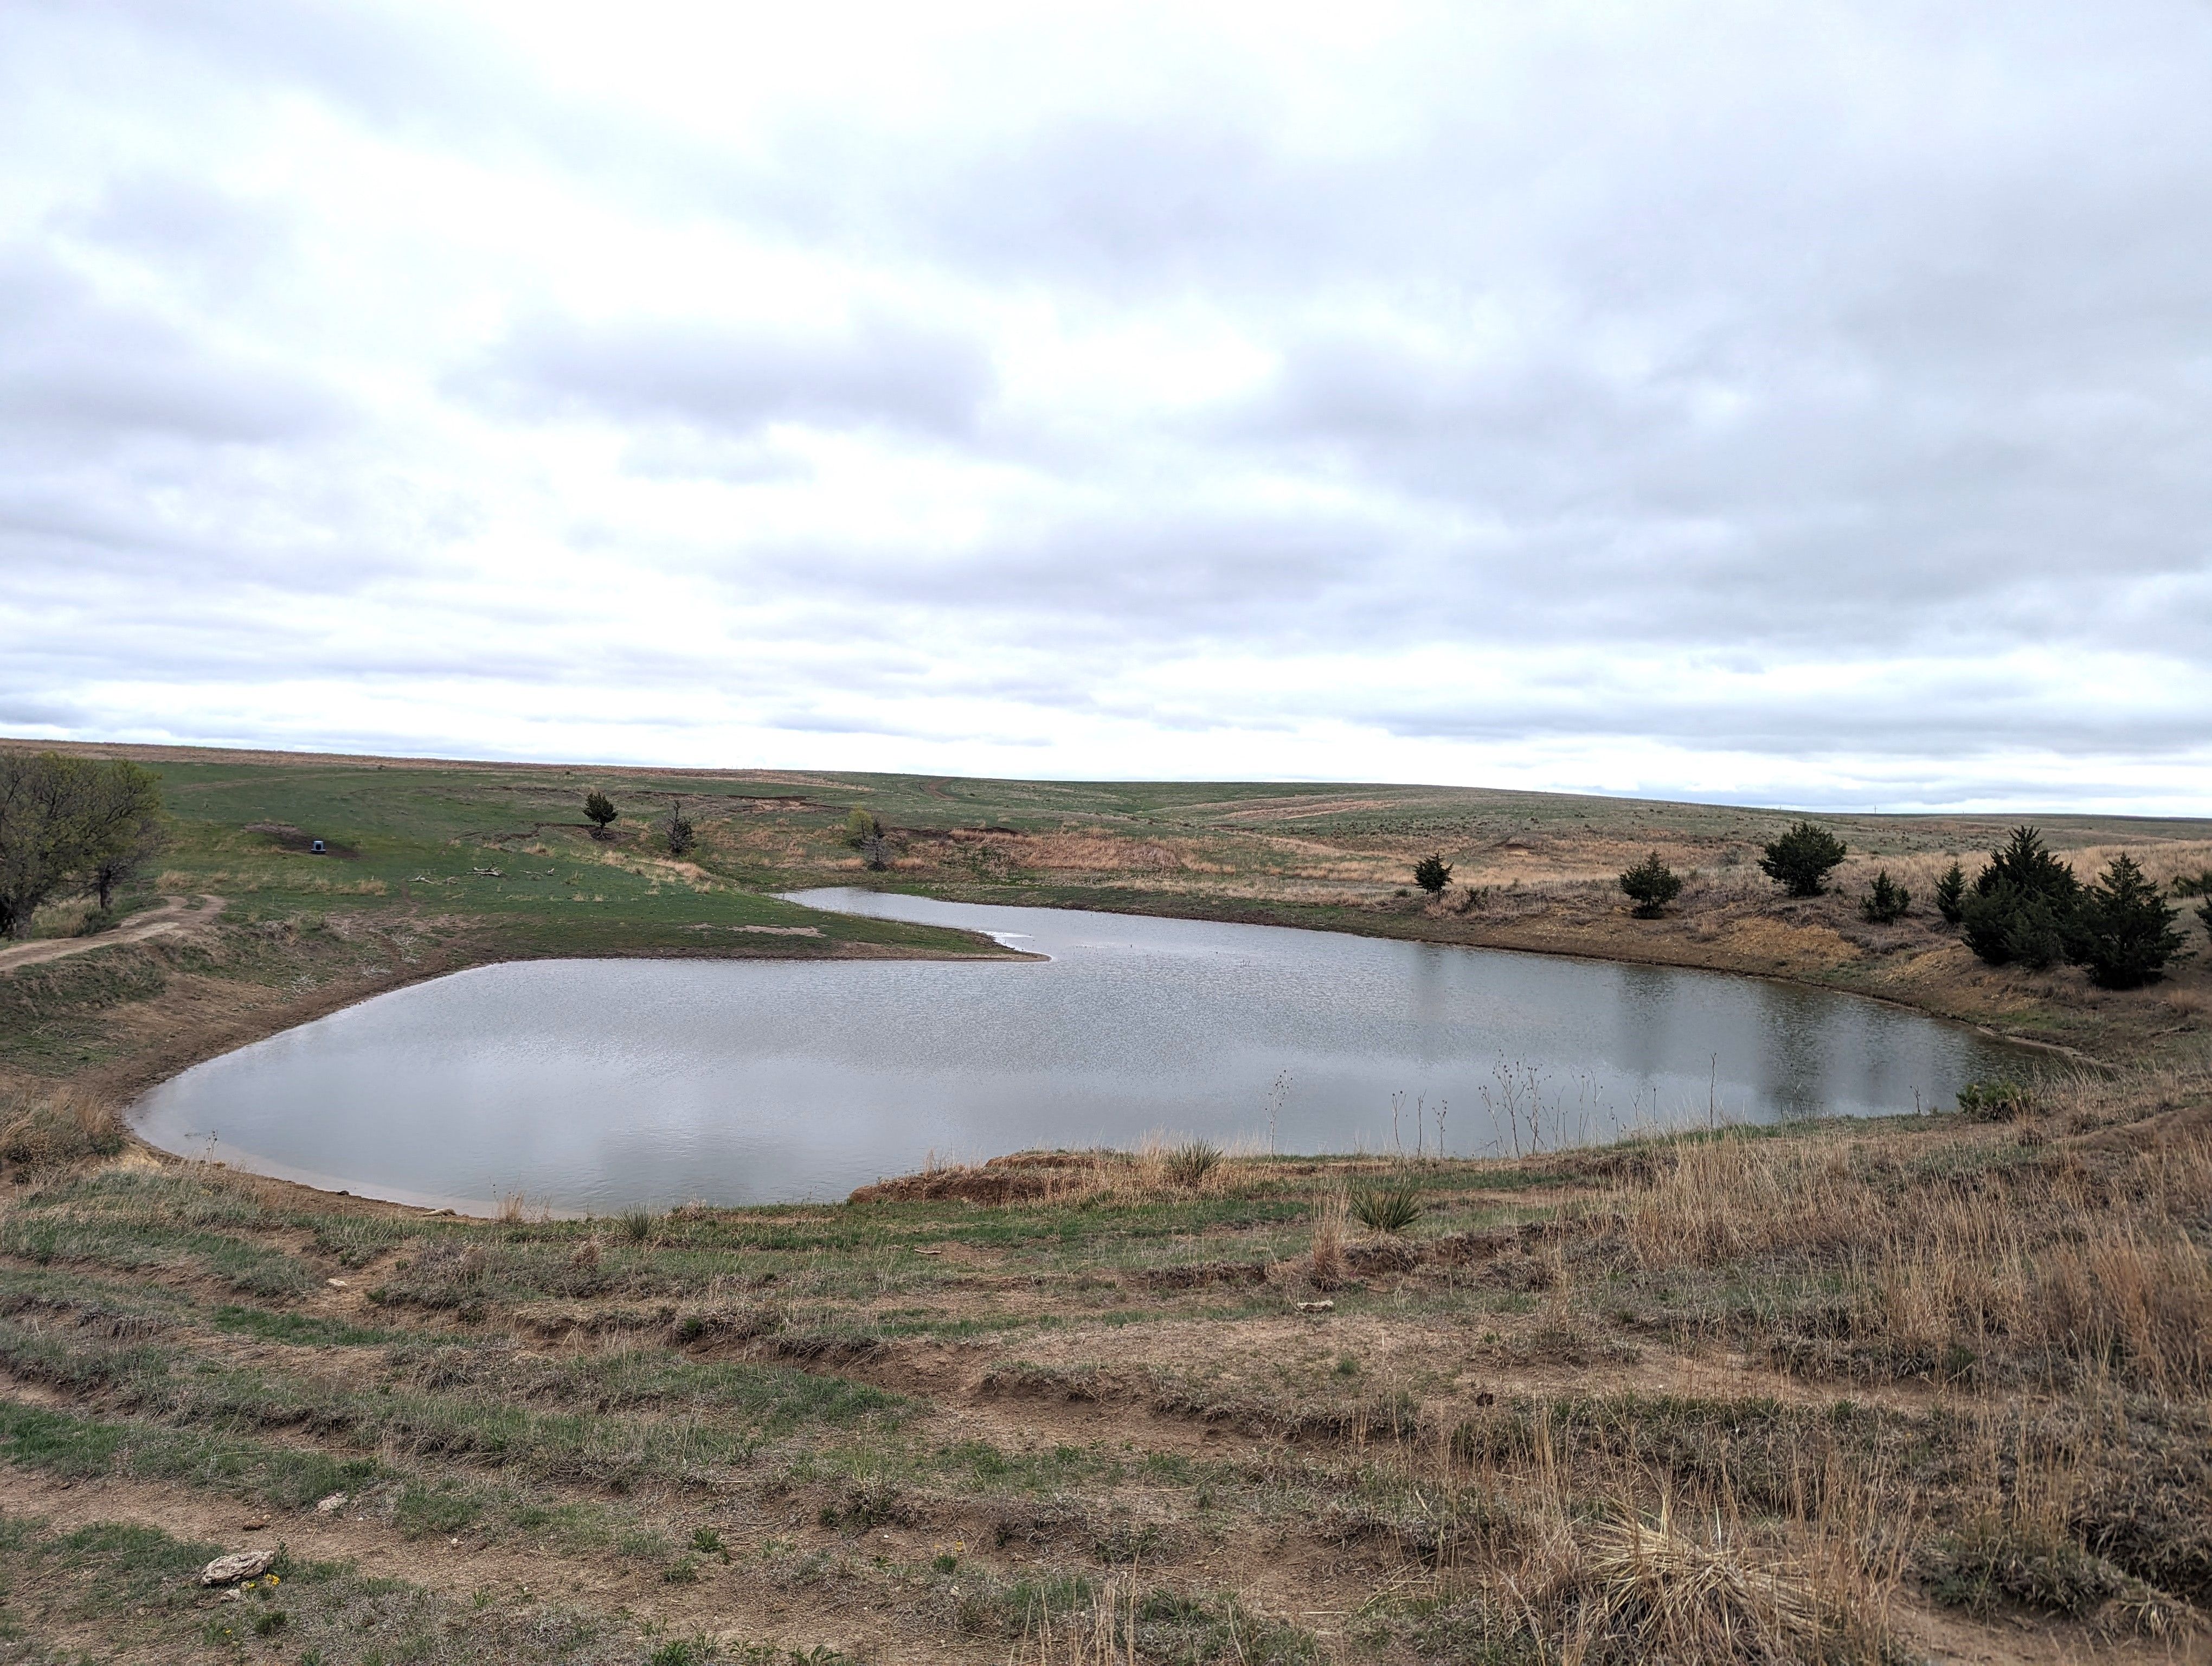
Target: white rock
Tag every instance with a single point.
(242, 1564)
(336, 1501)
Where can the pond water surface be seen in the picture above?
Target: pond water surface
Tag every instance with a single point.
(590, 1084)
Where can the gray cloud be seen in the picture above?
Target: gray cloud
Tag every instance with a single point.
(1822, 400)
(73, 365)
(878, 370)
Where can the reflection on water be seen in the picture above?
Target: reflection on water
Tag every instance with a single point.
(591, 1084)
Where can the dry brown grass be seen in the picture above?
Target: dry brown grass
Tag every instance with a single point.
(1159, 1168)
(58, 1126)
(1674, 1585)
(2082, 1255)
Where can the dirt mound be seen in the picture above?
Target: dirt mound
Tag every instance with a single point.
(300, 841)
(1193, 1274)
(1019, 1177)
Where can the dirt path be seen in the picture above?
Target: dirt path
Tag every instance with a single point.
(740, 1605)
(173, 916)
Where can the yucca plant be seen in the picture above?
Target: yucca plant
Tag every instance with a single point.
(1387, 1206)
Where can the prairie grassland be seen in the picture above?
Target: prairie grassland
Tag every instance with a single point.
(435, 866)
(1835, 1392)
(1832, 1392)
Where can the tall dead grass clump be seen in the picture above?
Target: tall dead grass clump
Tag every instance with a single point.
(2136, 1303)
(62, 1125)
(1188, 1164)
(1674, 1585)
(1711, 1201)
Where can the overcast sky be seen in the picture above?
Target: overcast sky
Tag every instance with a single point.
(1800, 404)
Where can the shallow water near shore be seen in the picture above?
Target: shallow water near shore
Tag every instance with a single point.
(588, 1086)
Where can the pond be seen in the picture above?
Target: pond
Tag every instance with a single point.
(591, 1085)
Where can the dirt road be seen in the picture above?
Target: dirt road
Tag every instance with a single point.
(174, 914)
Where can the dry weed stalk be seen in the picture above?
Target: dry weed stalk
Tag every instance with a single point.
(1327, 1267)
(1104, 1635)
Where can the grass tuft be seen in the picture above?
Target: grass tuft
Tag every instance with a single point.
(1188, 1164)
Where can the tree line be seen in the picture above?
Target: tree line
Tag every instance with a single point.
(72, 827)
(2024, 908)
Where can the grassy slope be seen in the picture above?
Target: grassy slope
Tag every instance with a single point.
(1887, 1365)
(402, 899)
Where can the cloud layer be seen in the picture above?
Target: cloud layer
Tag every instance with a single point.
(1686, 400)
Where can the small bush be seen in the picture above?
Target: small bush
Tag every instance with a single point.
(1188, 1164)
(599, 810)
(637, 1226)
(1886, 900)
(1994, 1102)
(1800, 860)
(1651, 885)
(864, 833)
(1389, 1206)
(1433, 873)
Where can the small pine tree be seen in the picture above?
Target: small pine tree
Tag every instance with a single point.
(2021, 910)
(1800, 860)
(1951, 895)
(2205, 913)
(1651, 884)
(2125, 928)
(2011, 927)
(681, 834)
(1886, 900)
(1432, 874)
(2026, 863)
(599, 810)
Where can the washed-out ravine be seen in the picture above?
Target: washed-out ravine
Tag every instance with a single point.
(593, 1084)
